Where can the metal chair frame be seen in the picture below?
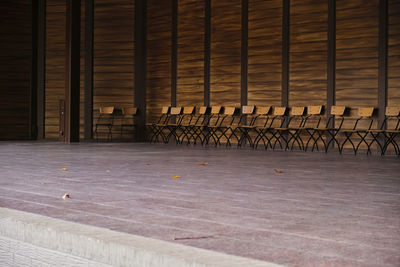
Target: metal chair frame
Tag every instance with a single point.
(293, 132)
(103, 112)
(268, 128)
(158, 127)
(364, 114)
(125, 112)
(195, 129)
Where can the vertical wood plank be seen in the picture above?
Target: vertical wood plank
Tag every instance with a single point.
(88, 90)
(331, 68)
(244, 53)
(174, 51)
(285, 52)
(207, 52)
(382, 59)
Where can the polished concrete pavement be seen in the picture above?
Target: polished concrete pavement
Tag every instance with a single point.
(291, 208)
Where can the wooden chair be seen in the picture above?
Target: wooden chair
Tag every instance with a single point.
(266, 132)
(155, 130)
(312, 124)
(128, 114)
(105, 119)
(332, 128)
(391, 130)
(196, 128)
(212, 121)
(185, 121)
(223, 124)
(364, 114)
(173, 123)
(291, 133)
(245, 125)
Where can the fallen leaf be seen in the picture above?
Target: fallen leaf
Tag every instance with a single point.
(64, 169)
(65, 196)
(278, 171)
(175, 176)
(203, 164)
(107, 170)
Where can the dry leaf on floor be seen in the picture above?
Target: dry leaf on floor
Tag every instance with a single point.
(175, 176)
(203, 164)
(278, 171)
(64, 169)
(65, 196)
(107, 170)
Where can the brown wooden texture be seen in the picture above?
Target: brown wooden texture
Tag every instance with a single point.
(190, 53)
(308, 52)
(265, 52)
(56, 64)
(357, 27)
(15, 44)
(159, 26)
(225, 52)
(113, 67)
(394, 54)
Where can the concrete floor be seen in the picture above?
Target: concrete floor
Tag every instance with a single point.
(313, 210)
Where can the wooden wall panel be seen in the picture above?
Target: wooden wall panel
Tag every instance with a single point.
(190, 53)
(159, 27)
(265, 52)
(56, 64)
(394, 54)
(225, 52)
(308, 52)
(357, 29)
(113, 63)
(15, 44)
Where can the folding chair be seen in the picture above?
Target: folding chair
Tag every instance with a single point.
(156, 129)
(390, 133)
(196, 128)
(173, 124)
(296, 123)
(266, 133)
(245, 125)
(224, 123)
(311, 126)
(212, 122)
(185, 122)
(105, 119)
(365, 114)
(128, 114)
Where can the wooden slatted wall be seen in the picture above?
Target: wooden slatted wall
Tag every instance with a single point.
(56, 64)
(357, 28)
(15, 44)
(190, 53)
(265, 52)
(225, 52)
(159, 26)
(113, 67)
(394, 54)
(308, 52)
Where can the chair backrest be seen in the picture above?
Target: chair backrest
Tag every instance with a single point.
(229, 111)
(176, 110)
(215, 110)
(203, 110)
(392, 111)
(298, 111)
(248, 110)
(366, 112)
(129, 111)
(107, 110)
(188, 110)
(314, 110)
(279, 111)
(165, 110)
(338, 110)
(263, 110)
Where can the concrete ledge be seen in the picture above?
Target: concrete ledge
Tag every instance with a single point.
(23, 233)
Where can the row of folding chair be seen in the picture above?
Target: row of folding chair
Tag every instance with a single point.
(278, 127)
